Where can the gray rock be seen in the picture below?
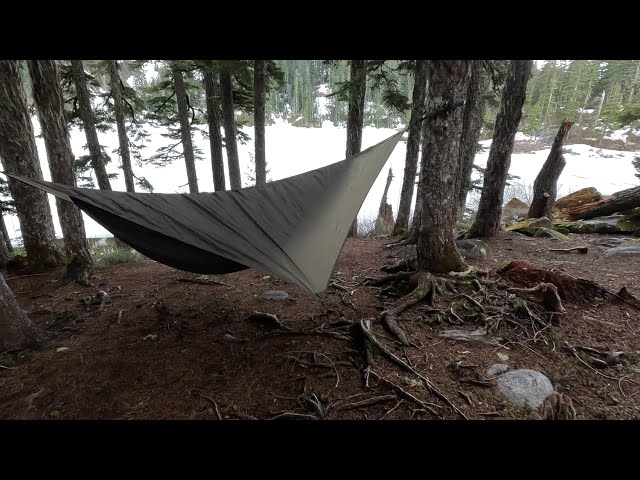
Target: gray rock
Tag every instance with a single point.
(497, 369)
(472, 248)
(524, 388)
(550, 233)
(275, 295)
(623, 249)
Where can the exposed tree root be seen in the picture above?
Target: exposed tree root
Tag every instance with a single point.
(365, 326)
(545, 294)
(423, 289)
(394, 277)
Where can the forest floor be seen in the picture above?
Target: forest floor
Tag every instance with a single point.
(165, 348)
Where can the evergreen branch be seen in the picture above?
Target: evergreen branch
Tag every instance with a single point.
(165, 102)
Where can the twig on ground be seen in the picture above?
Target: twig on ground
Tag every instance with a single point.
(367, 402)
(364, 325)
(391, 410)
(215, 405)
(293, 415)
(407, 395)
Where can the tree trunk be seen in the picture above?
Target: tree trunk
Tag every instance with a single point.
(229, 121)
(545, 187)
(16, 329)
(19, 155)
(384, 222)
(50, 106)
(4, 251)
(448, 83)
(355, 117)
(89, 123)
(586, 101)
(123, 140)
(487, 221)
(413, 148)
(259, 92)
(5, 234)
(212, 92)
(417, 210)
(618, 202)
(471, 127)
(599, 110)
(185, 130)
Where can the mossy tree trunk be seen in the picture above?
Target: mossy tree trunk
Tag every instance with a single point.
(487, 221)
(545, 187)
(413, 148)
(19, 155)
(50, 105)
(212, 92)
(448, 82)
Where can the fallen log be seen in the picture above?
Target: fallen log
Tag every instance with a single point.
(618, 202)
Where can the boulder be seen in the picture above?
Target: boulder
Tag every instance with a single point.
(514, 210)
(472, 248)
(530, 226)
(550, 233)
(524, 387)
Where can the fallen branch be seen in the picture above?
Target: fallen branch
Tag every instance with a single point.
(568, 250)
(478, 336)
(215, 405)
(293, 415)
(202, 280)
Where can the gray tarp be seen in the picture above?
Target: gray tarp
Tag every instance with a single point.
(293, 229)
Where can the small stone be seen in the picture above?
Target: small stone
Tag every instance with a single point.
(275, 295)
(229, 338)
(54, 413)
(62, 349)
(623, 249)
(497, 369)
(472, 248)
(503, 356)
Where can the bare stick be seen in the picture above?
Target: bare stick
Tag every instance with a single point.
(407, 395)
(7, 368)
(27, 276)
(215, 405)
(293, 415)
(430, 386)
(391, 410)
(568, 250)
(367, 402)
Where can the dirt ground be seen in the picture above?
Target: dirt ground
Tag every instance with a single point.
(164, 348)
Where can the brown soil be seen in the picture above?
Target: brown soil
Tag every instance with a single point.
(169, 354)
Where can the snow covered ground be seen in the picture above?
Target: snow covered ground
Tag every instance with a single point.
(293, 150)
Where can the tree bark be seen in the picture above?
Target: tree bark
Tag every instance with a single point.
(123, 140)
(448, 83)
(185, 130)
(19, 155)
(229, 122)
(355, 116)
(4, 251)
(212, 92)
(384, 222)
(417, 210)
(598, 110)
(545, 187)
(16, 329)
(471, 127)
(5, 233)
(487, 221)
(413, 148)
(259, 92)
(50, 105)
(89, 123)
(618, 202)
